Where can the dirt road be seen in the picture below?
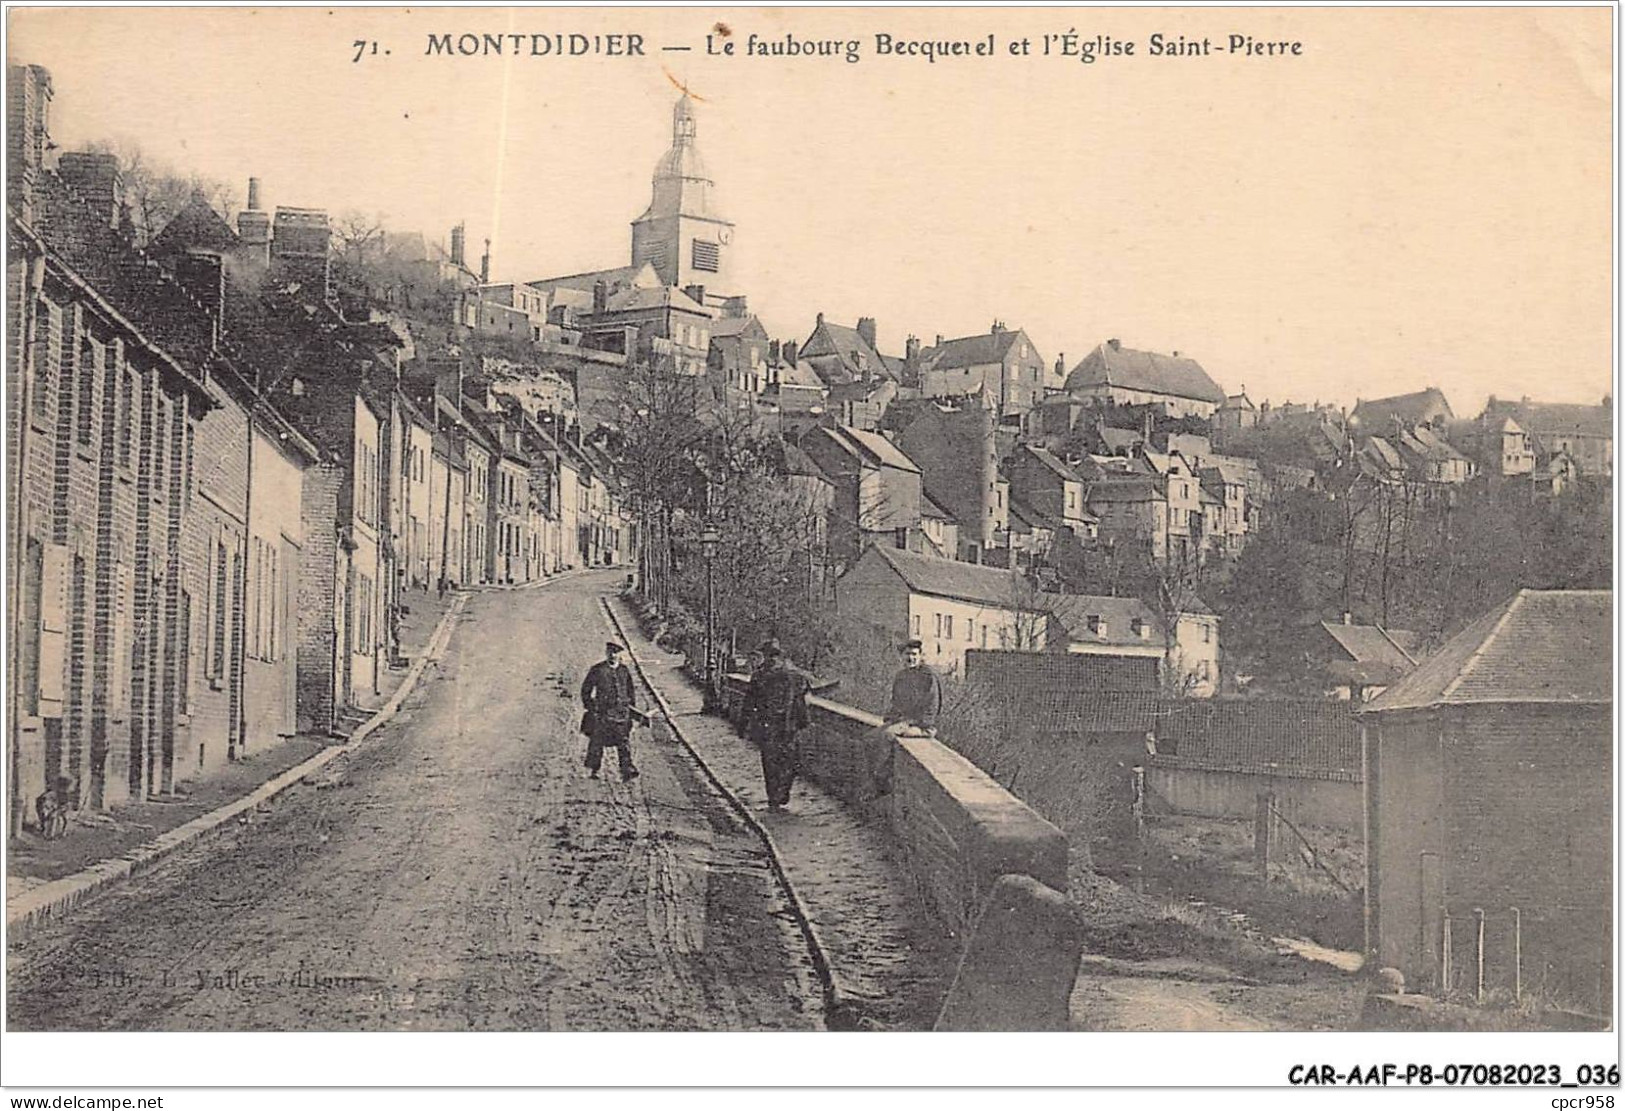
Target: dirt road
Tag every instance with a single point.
(459, 872)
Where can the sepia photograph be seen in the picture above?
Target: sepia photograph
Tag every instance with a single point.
(879, 520)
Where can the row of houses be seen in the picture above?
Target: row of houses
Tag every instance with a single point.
(956, 609)
(224, 489)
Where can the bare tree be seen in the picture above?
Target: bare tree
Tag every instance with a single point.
(155, 192)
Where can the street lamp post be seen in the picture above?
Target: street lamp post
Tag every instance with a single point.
(710, 538)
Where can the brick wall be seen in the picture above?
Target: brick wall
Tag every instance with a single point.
(1513, 807)
(1528, 823)
(316, 628)
(1404, 805)
(217, 519)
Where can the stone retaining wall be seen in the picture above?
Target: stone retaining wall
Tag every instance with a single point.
(959, 830)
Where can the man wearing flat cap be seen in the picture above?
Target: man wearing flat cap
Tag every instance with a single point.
(916, 693)
(775, 711)
(611, 700)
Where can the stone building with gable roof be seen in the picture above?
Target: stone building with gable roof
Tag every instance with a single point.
(1124, 376)
(1488, 787)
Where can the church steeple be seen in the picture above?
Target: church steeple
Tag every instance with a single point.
(680, 234)
(682, 121)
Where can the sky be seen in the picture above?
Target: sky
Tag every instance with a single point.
(1420, 197)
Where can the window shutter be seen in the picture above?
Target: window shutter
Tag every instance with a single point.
(123, 599)
(53, 628)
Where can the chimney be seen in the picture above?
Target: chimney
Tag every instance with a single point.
(457, 252)
(1114, 345)
(254, 227)
(448, 379)
(302, 250)
(600, 297)
(96, 178)
(911, 350)
(790, 351)
(820, 320)
(1347, 618)
(998, 326)
(1060, 365)
(772, 352)
(902, 537)
(866, 329)
(28, 102)
(939, 339)
(485, 265)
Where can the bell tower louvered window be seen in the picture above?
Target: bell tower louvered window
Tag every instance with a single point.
(707, 256)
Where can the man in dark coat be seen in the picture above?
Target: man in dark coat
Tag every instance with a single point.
(611, 700)
(775, 711)
(916, 693)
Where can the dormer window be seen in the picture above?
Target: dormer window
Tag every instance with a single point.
(1141, 628)
(1097, 625)
(297, 387)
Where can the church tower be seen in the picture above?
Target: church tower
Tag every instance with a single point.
(680, 235)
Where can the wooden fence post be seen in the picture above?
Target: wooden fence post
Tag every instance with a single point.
(1478, 915)
(1262, 818)
(1517, 955)
(1444, 953)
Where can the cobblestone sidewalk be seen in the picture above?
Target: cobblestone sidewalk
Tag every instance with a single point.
(848, 874)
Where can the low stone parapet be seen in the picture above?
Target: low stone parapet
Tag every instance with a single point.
(1019, 962)
(959, 830)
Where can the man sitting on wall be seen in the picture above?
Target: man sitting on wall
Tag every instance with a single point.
(916, 694)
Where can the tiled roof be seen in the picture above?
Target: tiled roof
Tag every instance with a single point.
(1174, 376)
(833, 349)
(798, 462)
(949, 578)
(969, 351)
(197, 225)
(1131, 489)
(636, 298)
(1073, 611)
(1089, 711)
(142, 291)
(1541, 646)
(1048, 459)
(725, 326)
(1383, 452)
(618, 276)
(870, 447)
(1317, 738)
(1571, 420)
(1410, 408)
(1378, 656)
(1425, 444)
(1025, 675)
(1119, 438)
(929, 508)
(798, 375)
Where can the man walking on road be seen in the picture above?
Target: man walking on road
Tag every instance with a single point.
(775, 711)
(916, 694)
(611, 700)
